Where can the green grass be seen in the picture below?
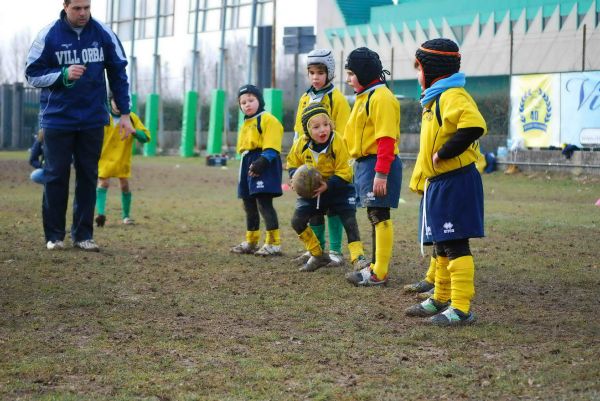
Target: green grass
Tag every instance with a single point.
(165, 312)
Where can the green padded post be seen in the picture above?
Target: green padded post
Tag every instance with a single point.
(134, 103)
(188, 125)
(274, 102)
(241, 116)
(134, 149)
(215, 124)
(152, 103)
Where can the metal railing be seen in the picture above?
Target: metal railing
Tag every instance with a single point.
(19, 109)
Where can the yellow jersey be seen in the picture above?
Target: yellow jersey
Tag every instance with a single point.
(457, 110)
(375, 114)
(262, 131)
(115, 159)
(333, 160)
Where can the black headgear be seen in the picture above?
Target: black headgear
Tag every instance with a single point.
(309, 112)
(365, 64)
(439, 58)
(253, 90)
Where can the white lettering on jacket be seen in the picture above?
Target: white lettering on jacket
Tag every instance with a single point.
(88, 55)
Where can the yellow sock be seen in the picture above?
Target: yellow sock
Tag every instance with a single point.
(430, 276)
(384, 243)
(273, 237)
(462, 273)
(441, 293)
(252, 237)
(356, 250)
(311, 242)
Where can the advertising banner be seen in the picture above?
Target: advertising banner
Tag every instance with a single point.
(535, 110)
(580, 108)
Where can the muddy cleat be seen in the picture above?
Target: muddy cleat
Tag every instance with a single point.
(88, 245)
(337, 259)
(128, 221)
(453, 317)
(100, 220)
(419, 287)
(365, 278)
(360, 263)
(316, 262)
(425, 295)
(55, 245)
(245, 248)
(302, 259)
(429, 307)
(269, 250)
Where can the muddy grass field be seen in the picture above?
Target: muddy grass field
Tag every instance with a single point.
(165, 312)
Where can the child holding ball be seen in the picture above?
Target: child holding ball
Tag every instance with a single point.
(320, 147)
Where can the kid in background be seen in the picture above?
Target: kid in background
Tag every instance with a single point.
(259, 144)
(446, 174)
(324, 149)
(36, 158)
(321, 71)
(115, 161)
(372, 136)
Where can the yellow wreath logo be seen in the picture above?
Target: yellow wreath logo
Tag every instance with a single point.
(535, 110)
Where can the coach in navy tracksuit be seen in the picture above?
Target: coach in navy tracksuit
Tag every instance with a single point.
(67, 60)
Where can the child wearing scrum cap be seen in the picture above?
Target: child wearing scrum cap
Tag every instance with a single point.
(446, 175)
(320, 66)
(324, 149)
(259, 144)
(372, 136)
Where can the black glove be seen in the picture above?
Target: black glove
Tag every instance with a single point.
(259, 165)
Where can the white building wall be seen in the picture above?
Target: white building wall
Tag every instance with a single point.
(176, 51)
(536, 48)
(487, 50)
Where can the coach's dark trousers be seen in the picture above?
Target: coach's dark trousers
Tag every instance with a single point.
(61, 148)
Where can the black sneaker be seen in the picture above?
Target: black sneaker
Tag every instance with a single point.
(429, 307)
(316, 262)
(100, 220)
(365, 278)
(419, 287)
(453, 317)
(301, 259)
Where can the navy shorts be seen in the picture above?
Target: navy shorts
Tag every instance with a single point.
(268, 183)
(332, 202)
(454, 205)
(364, 174)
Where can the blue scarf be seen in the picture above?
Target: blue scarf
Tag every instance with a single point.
(456, 80)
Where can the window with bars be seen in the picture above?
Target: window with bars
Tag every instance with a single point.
(121, 15)
(238, 14)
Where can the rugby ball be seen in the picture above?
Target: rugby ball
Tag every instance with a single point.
(306, 180)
